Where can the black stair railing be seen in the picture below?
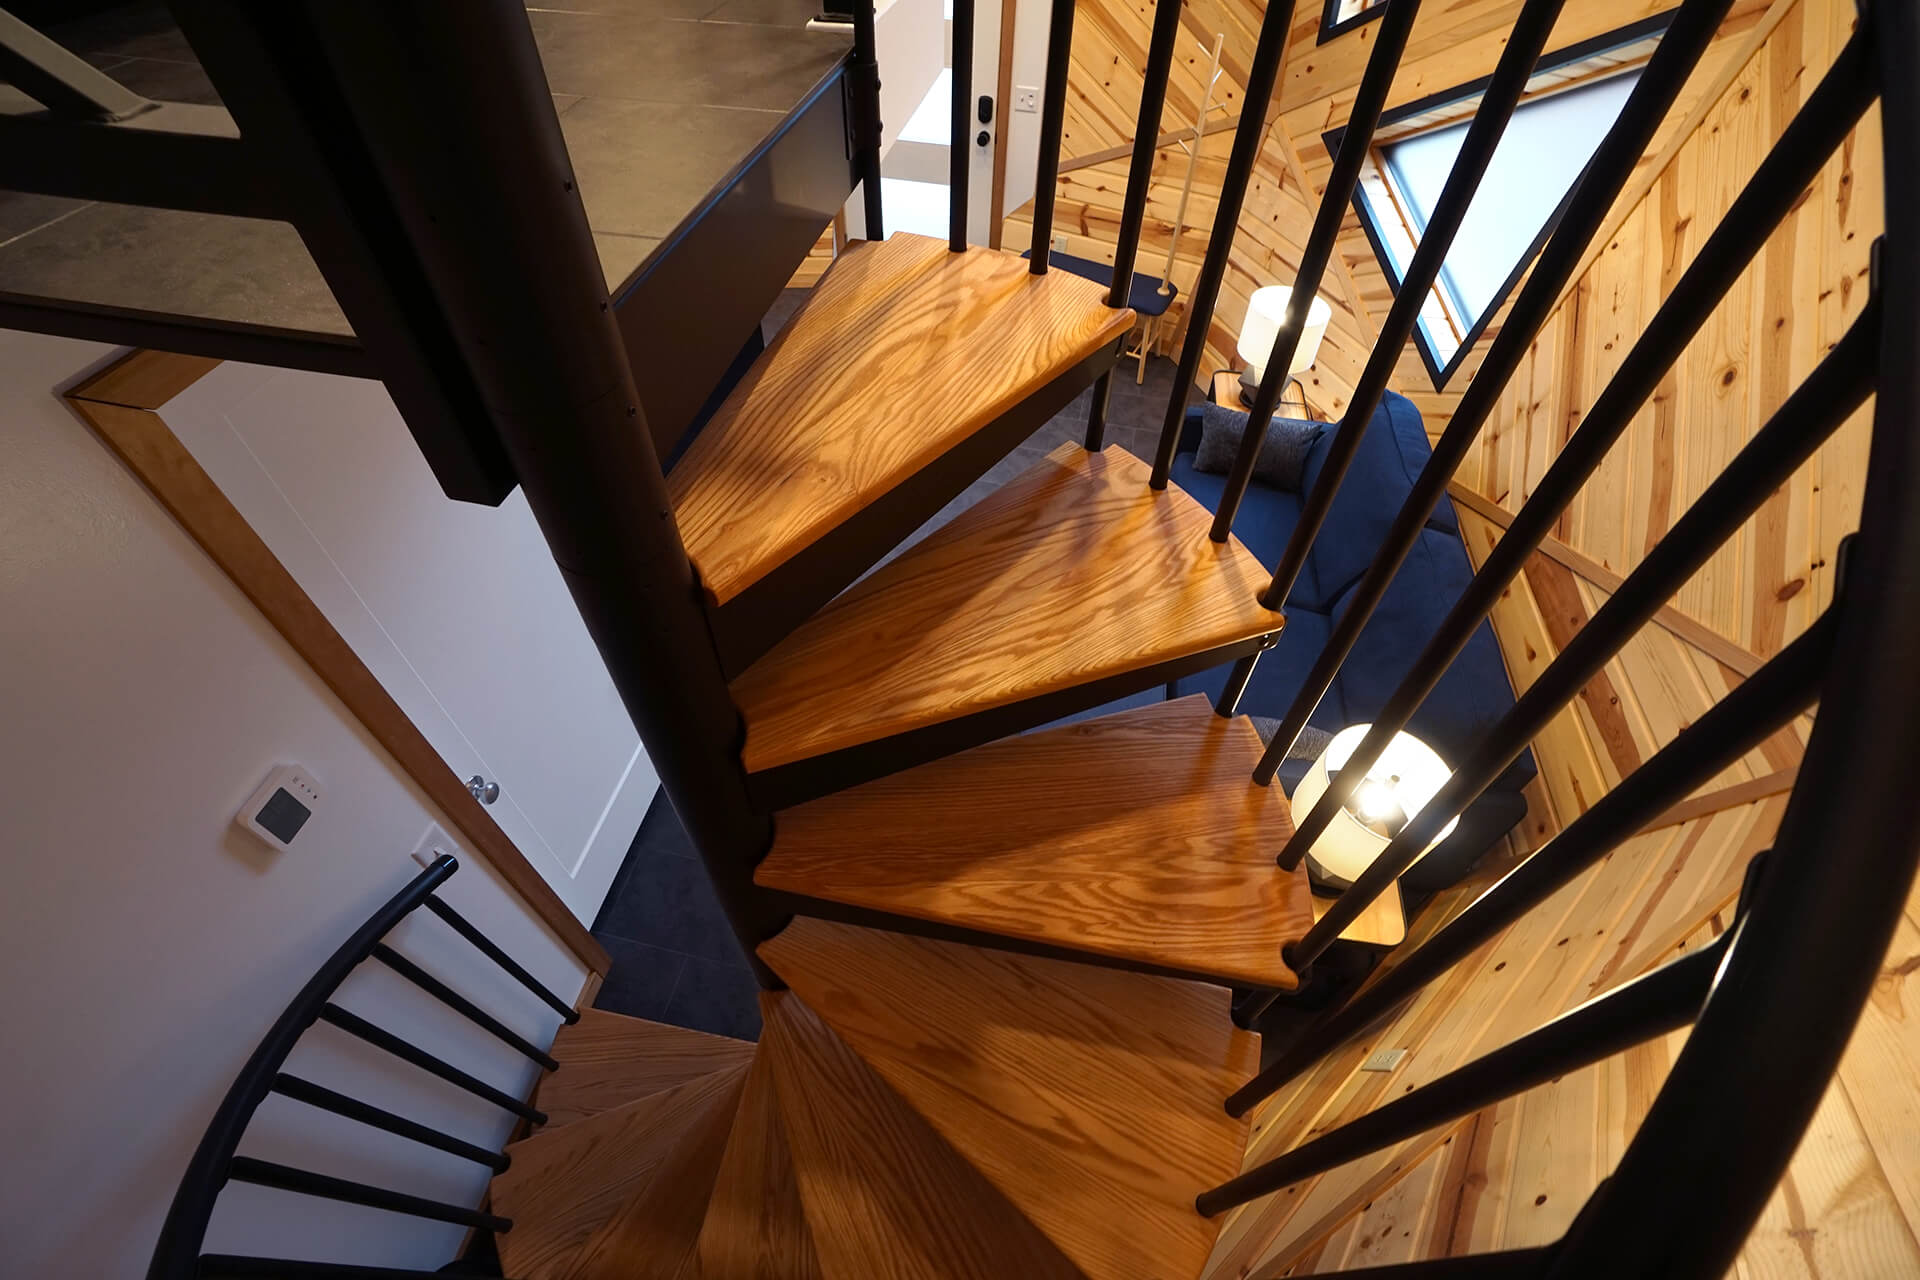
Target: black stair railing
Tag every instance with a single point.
(1053, 120)
(1604, 177)
(1248, 135)
(863, 91)
(1133, 209)
(216, 1162)
(1817, 408)
(960, 139)
(1390, 42)
(1819, 909)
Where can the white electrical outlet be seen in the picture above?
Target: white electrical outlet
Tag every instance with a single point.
(1384, 1060)
(1059, 244)
(1026, 98)
(432, 845)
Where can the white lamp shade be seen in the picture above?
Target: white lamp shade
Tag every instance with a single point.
(1406, 776)
(1266, 310)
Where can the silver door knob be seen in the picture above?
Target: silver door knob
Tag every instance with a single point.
(483, 791)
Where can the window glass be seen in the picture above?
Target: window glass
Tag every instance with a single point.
(1542, 152)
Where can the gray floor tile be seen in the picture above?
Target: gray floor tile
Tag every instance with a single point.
(720, 998)
(688, 151)
(670, 903)
(642, 981)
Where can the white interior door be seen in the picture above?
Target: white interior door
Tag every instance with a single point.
(458, 609)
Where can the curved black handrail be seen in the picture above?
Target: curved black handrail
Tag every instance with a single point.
(1803, 961)
(176, 1255)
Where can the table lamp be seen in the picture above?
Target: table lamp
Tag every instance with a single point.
(1406, 776)
(1266, 311)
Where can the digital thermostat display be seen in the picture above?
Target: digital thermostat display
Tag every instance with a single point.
(280, 807)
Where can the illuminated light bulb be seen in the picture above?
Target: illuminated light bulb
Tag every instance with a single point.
(1405, 777)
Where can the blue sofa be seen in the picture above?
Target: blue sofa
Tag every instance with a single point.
(1475, 691)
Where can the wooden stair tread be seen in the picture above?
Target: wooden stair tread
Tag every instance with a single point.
(1090, 1097)
(608, 1059)
(564, 1185)
(756, 1226)
(1140, 836)
(903, 350)
(653, 1236)
(1073, 572)
(884, 1195)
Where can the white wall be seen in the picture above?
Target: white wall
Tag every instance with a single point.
(145, 944)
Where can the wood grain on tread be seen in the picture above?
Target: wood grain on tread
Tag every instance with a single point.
(653, 1235)
(608, 1059)
(1073, 572)
(1090, 1097)
(902, 351)
(886, 1198)
(564, 1186)
(1140, 836)
(756, 1226)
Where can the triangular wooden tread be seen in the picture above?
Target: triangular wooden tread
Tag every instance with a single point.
(884, 1195)
(563, 1187)
(608, 1059)
(1141, 836)
(901, 352)
(756, 1225)
(1090, 1097)
(1072, 573)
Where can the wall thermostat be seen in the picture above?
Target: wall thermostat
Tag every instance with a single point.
(280, 808)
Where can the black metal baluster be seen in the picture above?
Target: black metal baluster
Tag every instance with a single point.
(1784, 687)
(1808, 956)
(1633, 1013)
(1133, 210)
(491, 950)
(960, 142)
(1390, 41)
(176, 1252)
(1776, 187)
(282, 1177)
(1248, 136)
(380, 1038)
(1593, 195)
(1816, 409)
(460, 1004)
(863, 86)
(1053, 119)
(290, 1086)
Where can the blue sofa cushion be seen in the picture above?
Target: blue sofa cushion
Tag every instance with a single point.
(1282, 459)
(1265, 522)
(1472, 695)
(1279, 674)
(1392, 452)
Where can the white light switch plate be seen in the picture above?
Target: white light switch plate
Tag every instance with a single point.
(1384, 1059)
(1026, 98)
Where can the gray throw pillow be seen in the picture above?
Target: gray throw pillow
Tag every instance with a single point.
(1283, 453)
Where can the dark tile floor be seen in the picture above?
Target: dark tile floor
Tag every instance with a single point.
(674, 959)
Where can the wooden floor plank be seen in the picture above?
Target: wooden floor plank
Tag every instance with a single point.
(756, 1225)
(564, 1185)
(608, 1059)
(1090, 1097)
(1073, 572)
(1139, 836)
(902, 351)
(885, 1198)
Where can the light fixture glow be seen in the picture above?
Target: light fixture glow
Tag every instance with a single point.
(1406, 776)
(1266, 311)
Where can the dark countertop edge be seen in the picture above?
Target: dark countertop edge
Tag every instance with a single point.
(671, 240)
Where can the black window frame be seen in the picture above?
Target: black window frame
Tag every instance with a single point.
(1331, 25)
(1442, 371)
